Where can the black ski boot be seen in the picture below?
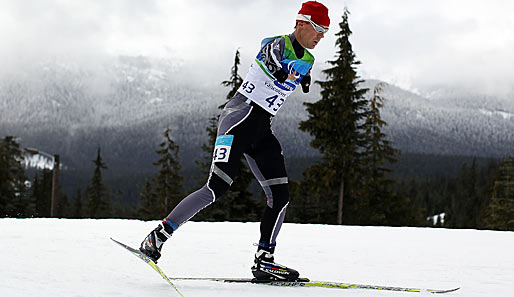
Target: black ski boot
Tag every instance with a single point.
(152, 244)
(265, 267)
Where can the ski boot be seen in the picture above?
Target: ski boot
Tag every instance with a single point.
(152, 244)
(265, 267)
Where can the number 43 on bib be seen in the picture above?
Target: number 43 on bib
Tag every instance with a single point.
(272, 101)
(222, 148)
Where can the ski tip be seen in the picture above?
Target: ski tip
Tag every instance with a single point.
(114, 240)
(453, 290)
(443, 291)
(122, 244)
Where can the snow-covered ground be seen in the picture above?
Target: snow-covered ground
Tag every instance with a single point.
(52, 257)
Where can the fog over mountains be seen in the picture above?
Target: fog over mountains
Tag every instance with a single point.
(124, 105)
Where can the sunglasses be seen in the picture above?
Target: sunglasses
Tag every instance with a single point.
(317, 28)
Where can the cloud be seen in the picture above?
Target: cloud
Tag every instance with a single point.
(420, 44)
(416, 44)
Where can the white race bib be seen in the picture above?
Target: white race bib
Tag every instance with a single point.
(264, 90)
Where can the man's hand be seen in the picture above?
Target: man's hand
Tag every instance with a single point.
(292, 76)
(280, 75)
(306, 82)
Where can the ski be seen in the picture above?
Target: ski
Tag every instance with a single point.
(304, 282)
(150, 262)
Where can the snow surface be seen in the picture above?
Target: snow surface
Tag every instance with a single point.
(57, 257)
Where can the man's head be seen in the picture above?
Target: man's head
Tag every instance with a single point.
(312, 23)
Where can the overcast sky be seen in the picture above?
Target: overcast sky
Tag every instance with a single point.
(415, 44)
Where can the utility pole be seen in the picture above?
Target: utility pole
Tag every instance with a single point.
(55, 186)
(50, 162)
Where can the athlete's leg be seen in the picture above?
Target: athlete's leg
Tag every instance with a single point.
(236, 123)
(267, 163)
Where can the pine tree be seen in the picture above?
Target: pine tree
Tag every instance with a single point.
(309, 203)
(119, 209)
(500, 211)
(470, 195)
(34, 190)
(42, 193)
(148, 205)
(63, 207)
(13, 191)
(465, 207)
(96, 193)
(237, 204)
(235, 79)
(336, 123)
(76, 206)
(486, 178)
(167, 185)
(381, 205)
(30, 210)
(235, 82)
(208, 148)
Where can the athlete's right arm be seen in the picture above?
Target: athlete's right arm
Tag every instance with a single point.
(271, 56)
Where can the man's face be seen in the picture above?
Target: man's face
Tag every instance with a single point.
(307, 36)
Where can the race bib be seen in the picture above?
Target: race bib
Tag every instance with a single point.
(263, 89)
(222, 148)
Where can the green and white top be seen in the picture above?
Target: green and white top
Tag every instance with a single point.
(260, 84)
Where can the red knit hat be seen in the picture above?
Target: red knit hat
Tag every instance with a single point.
(318, 13)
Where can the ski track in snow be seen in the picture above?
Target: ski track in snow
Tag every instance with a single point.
(59, 257)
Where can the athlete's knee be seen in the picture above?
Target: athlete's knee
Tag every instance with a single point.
(218, 185)
(204, 195)
(279, 196)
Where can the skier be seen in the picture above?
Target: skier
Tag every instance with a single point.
(244, 128)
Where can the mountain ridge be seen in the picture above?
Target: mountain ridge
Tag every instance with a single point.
(125, 107)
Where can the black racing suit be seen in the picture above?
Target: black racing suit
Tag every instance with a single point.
(250, 126)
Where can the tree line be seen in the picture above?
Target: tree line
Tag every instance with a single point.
(351, 184)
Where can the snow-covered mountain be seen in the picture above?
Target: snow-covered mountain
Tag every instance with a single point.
(449, 122)
(124, 105)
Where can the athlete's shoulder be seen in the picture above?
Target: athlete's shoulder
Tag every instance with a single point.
(274, 40)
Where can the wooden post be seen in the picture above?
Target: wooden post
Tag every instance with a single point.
(340, 202)
(55, 186)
